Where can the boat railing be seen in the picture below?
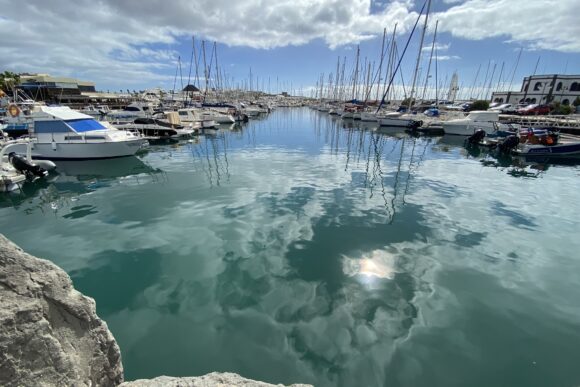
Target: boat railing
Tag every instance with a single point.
(555, 121)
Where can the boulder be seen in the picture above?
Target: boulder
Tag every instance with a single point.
(50, 333)
(215, 379)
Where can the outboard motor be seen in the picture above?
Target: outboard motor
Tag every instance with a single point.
(476, 137)
(21, 164)
(508, 144)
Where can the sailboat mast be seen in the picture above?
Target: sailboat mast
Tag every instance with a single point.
(419, 55)
(380, 70)
(355, 79)
(204, 65)
(430, 58)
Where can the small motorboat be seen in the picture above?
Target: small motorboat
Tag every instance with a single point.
(548, 144)
(16, 169)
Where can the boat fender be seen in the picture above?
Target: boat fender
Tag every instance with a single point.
(53, 146)
(13, 110)
(45, 164)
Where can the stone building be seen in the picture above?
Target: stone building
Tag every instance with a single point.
(542, 89)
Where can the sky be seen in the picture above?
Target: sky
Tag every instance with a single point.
(286, 44)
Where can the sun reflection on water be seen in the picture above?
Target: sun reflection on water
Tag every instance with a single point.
(378, 264)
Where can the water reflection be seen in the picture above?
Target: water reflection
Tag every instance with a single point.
(299, 248)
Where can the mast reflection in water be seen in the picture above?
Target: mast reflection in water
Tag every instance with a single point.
(300, 247)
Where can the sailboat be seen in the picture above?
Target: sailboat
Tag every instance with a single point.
(398, 119)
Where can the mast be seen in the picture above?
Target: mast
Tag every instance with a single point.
(355, 73)
(436, 86)
(380, 70)
(474, 82)
(204, 65)
(190, 66)
(430, 57)
(419, 55)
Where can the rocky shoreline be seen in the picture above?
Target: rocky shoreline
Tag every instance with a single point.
(50, 333)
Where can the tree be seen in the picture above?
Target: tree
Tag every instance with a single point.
(8, 80)
(479, 105)
(576, 102)
(406, 101)
(560, 109)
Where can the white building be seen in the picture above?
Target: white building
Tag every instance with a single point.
(542, 89)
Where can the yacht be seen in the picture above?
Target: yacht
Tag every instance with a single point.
(398, 120)
(192, 115)
(156, 128)
(218, 116)
(476, 120)
(60, 133)
(131, 112)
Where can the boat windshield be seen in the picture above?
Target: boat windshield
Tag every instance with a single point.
(85, 125)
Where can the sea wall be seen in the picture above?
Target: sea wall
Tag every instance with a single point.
(50, 334)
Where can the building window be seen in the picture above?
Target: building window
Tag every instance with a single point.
(537, 86)
(559, 87)
(575, 87)
(500, 100)
(566, 102)
(533, 100)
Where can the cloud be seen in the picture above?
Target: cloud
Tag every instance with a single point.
(547, 25)
(438, 47)
(137, 43)
(448, 57)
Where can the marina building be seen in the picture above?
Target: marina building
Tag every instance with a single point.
(67, 91)
(542, 89)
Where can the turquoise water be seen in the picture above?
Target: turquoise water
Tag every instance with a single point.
(299, 248)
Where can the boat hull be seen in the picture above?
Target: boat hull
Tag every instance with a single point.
(84, 151)
(399, 122)
(551, 150)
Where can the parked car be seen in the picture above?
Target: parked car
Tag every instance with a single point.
(505, 108)
(534, 109)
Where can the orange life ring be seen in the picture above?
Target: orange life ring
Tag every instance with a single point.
(13, 110)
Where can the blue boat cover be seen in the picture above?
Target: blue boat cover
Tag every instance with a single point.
(85, 125)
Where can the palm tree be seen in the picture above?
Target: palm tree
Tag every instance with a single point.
(8, 80)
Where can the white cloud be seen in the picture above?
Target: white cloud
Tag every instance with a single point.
(448, 57)
(549, 25)
(438, 47)
(135, 43)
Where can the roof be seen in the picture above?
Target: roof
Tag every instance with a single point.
(190, 88)
(64, 113)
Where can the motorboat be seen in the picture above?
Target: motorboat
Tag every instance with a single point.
(131, 112)
(368, 117)
(60, 133)
(399, 120)
(487, 121)
(547, 144)
(218, 116)
(16, 169)
(192, 115)
(156, 128)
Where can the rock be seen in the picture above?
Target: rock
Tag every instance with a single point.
(215, 379)
(50, 334)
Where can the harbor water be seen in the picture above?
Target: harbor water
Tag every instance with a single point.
(300, 248)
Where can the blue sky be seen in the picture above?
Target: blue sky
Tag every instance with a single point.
(135, 45)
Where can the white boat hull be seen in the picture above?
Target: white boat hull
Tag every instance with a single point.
(84, 151)
(397, 122)
(467, 128)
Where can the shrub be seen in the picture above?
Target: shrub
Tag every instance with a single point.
(479, 105)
